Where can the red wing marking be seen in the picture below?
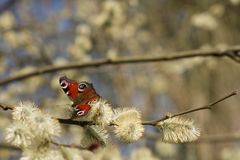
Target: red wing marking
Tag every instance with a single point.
(82, 109)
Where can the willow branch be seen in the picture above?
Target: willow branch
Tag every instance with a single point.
(73, 122)
(6, 146)
(232, 53)
(208, 106)
(6, 107)
(153, 122)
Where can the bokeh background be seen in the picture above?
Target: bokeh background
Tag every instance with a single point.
(35, 34)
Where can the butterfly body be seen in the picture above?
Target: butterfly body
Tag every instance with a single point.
(81, 94)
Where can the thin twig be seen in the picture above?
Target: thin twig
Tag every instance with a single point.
(6, 146)
(231, 53)
(152, 122)
(6, 107)
(209, 106)
(73, 122)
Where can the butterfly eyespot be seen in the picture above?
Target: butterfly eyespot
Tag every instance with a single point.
(76, 108)
(80, 113)
(81, 87)
(64, 84)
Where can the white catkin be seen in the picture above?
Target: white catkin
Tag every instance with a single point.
(178, 130)
(19, 134)
(104, 112)
(45, 126)
(24, 110)
(128, 127)
(31, 128)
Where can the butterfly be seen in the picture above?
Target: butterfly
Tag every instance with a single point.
(80, 93)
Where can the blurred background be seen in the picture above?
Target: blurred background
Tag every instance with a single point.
(34, 34)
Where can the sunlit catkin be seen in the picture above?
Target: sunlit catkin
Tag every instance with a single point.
(44, 126)
(178, 130)
(128, 127)
(31, 128)
(19, 135)
(24, 110)
(104, 113)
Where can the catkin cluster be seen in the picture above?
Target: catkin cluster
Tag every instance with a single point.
(32, 131)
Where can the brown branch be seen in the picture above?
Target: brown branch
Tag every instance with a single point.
(152, 123)
(6, 146)
(73, 122)
(209, 106)
(63, 121)
(232, 53)
(6, 107)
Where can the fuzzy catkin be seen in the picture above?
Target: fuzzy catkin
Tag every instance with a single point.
(19, 135)
(178, 130)
(128, 127)
(31, 130)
